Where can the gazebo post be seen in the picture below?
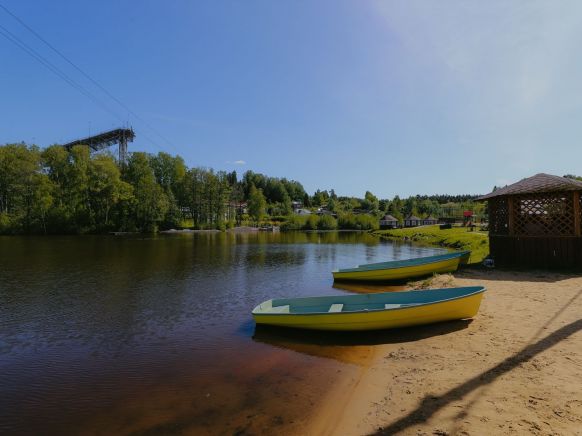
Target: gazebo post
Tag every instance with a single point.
(576, 199)
(510, 217)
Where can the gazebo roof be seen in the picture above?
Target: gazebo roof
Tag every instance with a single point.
(537, 184)
(389, 218)
(413, 218)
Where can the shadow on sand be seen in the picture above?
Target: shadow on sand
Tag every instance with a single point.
(431, 404)
(478, 272)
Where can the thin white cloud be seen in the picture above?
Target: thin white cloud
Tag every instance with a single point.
(236, 162)
(506, 74)
(502, 51)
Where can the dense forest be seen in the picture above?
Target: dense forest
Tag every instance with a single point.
(53, 190)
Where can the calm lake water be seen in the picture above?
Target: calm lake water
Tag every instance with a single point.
(153, 335)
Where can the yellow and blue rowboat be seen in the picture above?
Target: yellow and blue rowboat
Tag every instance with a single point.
(371, 311)
(403, 269)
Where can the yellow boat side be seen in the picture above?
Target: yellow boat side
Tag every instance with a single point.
(460, 308)
(388, 274)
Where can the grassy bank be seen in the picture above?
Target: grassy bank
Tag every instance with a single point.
(458, 238)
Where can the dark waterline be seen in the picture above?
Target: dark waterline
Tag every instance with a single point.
(153, 335)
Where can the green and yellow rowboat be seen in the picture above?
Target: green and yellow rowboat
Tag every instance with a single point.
(403, 269)
(371, 311)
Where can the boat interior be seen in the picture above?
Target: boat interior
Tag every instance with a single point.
(365, 302)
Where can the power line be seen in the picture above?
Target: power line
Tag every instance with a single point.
(47, 64)
(86, 75)
(59, 73)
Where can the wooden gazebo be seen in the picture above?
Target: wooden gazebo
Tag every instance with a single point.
(536, 223)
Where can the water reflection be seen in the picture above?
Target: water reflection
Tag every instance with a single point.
(129, 334)
(368, 288)
(297, 339)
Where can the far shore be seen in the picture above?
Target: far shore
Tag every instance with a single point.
(513, 369)
(248, 229)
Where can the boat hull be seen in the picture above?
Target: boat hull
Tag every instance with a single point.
(394, 274)
(448, 310)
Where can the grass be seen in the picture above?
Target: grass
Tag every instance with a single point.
(436, 281)
(458, 238)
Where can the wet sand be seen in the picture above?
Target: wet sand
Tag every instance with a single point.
(515, 369)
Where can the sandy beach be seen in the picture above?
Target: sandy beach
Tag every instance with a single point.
(514, 369)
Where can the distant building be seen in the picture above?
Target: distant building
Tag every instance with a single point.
(430, 221)
(412, 221)
(302, 212)
(296, 205)
(324, 211)
(388, 222)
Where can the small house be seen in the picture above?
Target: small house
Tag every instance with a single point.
(302, 212)
(296, 205)
(412, 221)
(388, 222)
(430, 221)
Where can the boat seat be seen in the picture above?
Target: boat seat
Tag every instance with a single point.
(280, 309)
(392, 306)
(336, 307)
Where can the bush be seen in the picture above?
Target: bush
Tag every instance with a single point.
(294, 222)
(347, 221)
(358, 222)
(368, 222)
(5, 223)
(311, 223)
(279, 218)
(326, 222)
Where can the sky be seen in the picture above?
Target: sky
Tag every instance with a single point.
(398, 98)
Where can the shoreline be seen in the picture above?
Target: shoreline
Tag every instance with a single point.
(456, 238)
(514, 368)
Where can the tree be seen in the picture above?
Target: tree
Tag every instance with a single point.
(370, 203)
(150, 202)
(332, 203)
(320, 198)
(106, 189)
(25, 192)
(78, 188)
(256, 204)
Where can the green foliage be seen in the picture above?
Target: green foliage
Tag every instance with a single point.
(57, 191)
(320, 198)
(274, 189)
(150, 202)
(206, 197)
(279, 218)
(294, 222)
(326, 222)
(370, 203)
(25, 192)
(257, 204)
(350, 221)
(309, 222)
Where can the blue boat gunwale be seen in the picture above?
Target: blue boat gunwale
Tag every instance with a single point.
(478, 290)
(396, 264)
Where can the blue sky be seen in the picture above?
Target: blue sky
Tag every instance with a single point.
(392, 97)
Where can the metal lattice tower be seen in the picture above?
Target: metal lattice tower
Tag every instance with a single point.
(107, 139)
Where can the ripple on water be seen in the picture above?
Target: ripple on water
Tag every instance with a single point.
(120, 335)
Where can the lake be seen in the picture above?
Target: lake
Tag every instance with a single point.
(153, 335)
